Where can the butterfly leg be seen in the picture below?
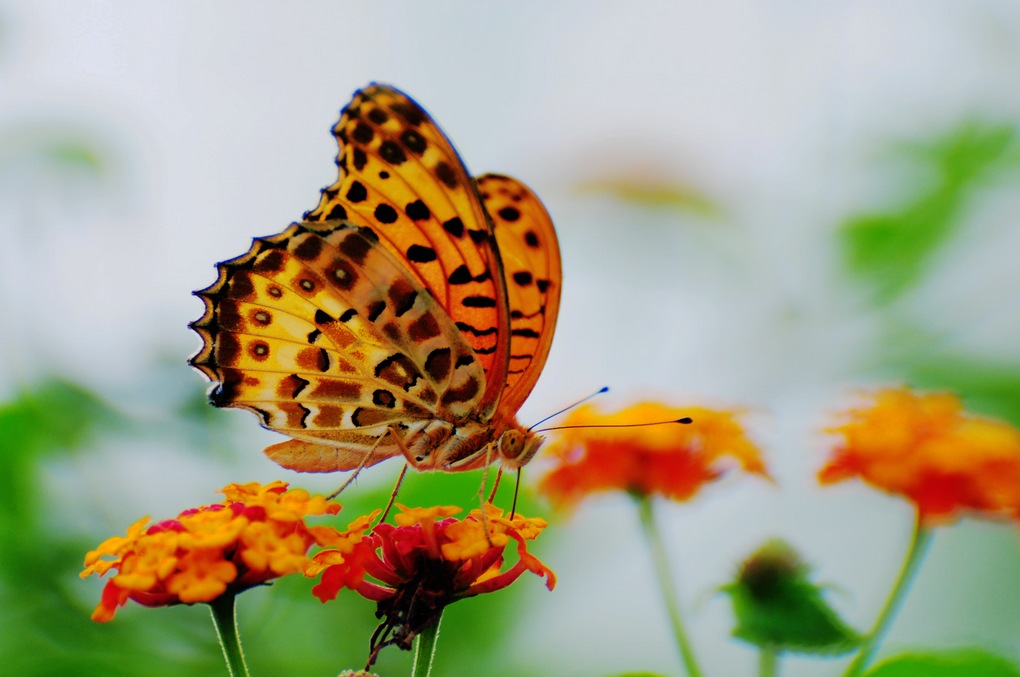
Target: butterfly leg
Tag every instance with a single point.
(481, 491)
(495, 485)
(354, 475)
(412, 462)
(393, 494)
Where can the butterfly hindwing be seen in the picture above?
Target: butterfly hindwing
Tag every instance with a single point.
(530, 255)
(321, 333)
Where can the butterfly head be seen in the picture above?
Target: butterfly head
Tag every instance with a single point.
(517, 447)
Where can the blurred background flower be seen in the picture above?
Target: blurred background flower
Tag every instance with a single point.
(599, 452)
(767, 205)
(924, 447)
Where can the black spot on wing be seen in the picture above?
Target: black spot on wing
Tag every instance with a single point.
(469, 329)
(357, 192)
(460, 275)
(413, 141)
(375, 310)
(309, 248)
(509, 214)
(479, 302)
(418, 211)
(437, 364)
(362, 133)
(446, 174)
(392, 153)
(454, 227)
(404, 303)
(385, 213)
(419, 254)
(384, 398)
(360, 159)
(522, 278)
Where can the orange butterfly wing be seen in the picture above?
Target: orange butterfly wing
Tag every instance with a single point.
(400, 175)
(328, 339)
(530, 255)
(398, 306)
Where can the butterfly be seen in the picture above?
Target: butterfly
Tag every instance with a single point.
(410, 313)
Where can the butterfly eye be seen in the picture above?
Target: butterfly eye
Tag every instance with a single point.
(511, 443)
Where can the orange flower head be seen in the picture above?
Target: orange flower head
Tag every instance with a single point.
(671, 460)
(257, 534)
(424, 563)
(925, 447)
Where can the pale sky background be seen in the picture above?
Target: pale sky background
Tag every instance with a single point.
(214, 119)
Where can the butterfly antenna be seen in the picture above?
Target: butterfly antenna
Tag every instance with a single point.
(600, 391)
(685, 420)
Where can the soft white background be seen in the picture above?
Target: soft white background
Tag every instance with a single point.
(216, 117)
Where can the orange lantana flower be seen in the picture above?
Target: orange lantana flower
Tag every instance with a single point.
(423, 564)
(925, 447)
(671, 460)
(257, 534)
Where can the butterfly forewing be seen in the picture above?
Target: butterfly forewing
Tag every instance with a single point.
(400, 175)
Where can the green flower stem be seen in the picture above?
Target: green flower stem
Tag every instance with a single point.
(425, 650)
(662, 571)
(915, 555)
(767, 662)
(224, 617)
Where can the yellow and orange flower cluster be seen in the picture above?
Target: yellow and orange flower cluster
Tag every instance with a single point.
(925, 447)
(670, 460)
(256, 534)
(425, 562)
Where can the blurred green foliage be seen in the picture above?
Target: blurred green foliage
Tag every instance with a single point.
(54, 417)
(961, 663)
(778, 608)
(891, 249)
(40, 561)
(890, 254)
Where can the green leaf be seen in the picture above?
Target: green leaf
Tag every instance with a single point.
(890, 250)
(779, 609)
(960, 663)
